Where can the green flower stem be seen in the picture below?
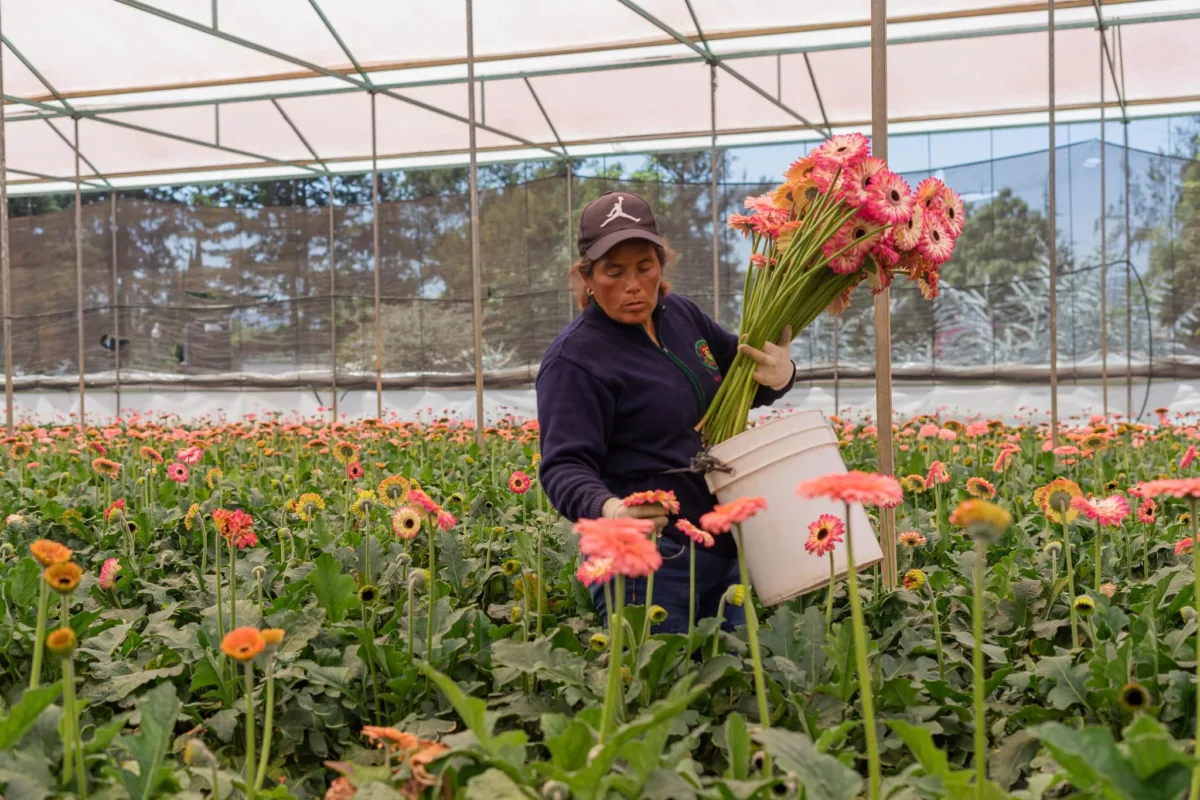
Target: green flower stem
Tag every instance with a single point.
(1099, 546)
(539, 581)
(430, 590)
(203, 544)
(616, 633)
(977, 664)
(232, 585)
(268, 722)
(760, 687)
(937, 634)
(1194, 794)
(220, 607)
(687, 661)
(65, 614)
(39, 635)
(248, 667)
(411, 651)
(367, 547)
(720, 621)
(1066, 529)
(649, 603)
(1145, 551)
(73, 716)
(487, 556)
(864, 674)
(829, 597)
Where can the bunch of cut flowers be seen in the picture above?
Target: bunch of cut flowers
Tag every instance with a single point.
(839, 219)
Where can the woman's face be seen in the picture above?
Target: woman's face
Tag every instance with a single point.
(624, 282)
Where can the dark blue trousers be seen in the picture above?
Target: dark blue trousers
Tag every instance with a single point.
(714, 574)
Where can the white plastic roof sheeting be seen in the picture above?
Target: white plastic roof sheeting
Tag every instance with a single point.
(164, 91)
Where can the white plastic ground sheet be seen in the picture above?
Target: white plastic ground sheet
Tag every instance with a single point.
(1004, 401)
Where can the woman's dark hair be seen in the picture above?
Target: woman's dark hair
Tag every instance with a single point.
(584, 267)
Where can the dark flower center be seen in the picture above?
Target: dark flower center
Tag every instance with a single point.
(860, 233)
(895, 196)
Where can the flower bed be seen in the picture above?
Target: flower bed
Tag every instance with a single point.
(245, 609)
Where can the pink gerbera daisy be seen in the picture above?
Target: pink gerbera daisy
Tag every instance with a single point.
(868, 488)
(907, 235)
(724, 517)
(1184, 546)
(700, 537)
(1177, 487)
(423, 501)
(889, 199)
(845, 151)
(823, 534)
(1145, 512)
(937, 474)
(859, 179)
(595, 570)
(1107, 511)
(625, 542)
(928, 192)
(666, 499)
(953, 210)
(446, 520)
(519, 482)
(108, 574)
(936, 244)
(177, 472)
(1188, 457)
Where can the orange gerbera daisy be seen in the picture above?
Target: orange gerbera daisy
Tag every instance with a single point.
(48, 552)
(1178, 487)
(725, 516)
(108, 468)
(1056, 495)
(978, 487)
(868, 488)
(698, 536)
(243, 644)
(61, 642)
(390, 737)
(625, 541)
(63, 577)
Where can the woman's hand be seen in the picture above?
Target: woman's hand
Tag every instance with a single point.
(615, 508)
(775, 368)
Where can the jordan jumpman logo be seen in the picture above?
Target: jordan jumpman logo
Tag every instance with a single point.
(616, 212)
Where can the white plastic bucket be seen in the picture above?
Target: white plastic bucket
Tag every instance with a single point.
(769, 461)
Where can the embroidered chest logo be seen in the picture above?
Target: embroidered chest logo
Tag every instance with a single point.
(704, 353)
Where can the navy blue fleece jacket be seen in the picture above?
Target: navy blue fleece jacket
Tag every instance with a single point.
(617, 411)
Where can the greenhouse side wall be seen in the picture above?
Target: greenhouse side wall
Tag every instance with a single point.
(232, 307)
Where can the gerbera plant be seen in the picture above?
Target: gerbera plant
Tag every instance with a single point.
(840, 218)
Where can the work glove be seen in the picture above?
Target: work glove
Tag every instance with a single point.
(775, 368)
(615, 508)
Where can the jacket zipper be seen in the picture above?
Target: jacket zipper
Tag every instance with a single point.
(700, 399)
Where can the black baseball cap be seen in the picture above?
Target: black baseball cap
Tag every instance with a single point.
(612, 218)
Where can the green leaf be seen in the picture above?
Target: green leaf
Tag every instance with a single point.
(495, 785)
(1070, 681)
(334, 590)
(920, 742)
(24, 584)
(663, 784)
(822, 775)
(541, 660)
(472, 710)
(1151, 748)
(121, 686)
(159, 709)
(1006, 762)
(569, 749)
(452, 565)
(737, 743)
(25, 713)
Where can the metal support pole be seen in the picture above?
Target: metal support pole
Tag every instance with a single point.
(115, 305)
(1128, 285)
(476, 276)
(5, 278)
(79, 277)
(1103, 240)
(570, 235)
(837, 385)
(375, 234)
(1052, 244)
(883, 314)
(716, 216)
(333, 358)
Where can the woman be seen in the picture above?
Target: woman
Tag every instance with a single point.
(619, 394)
